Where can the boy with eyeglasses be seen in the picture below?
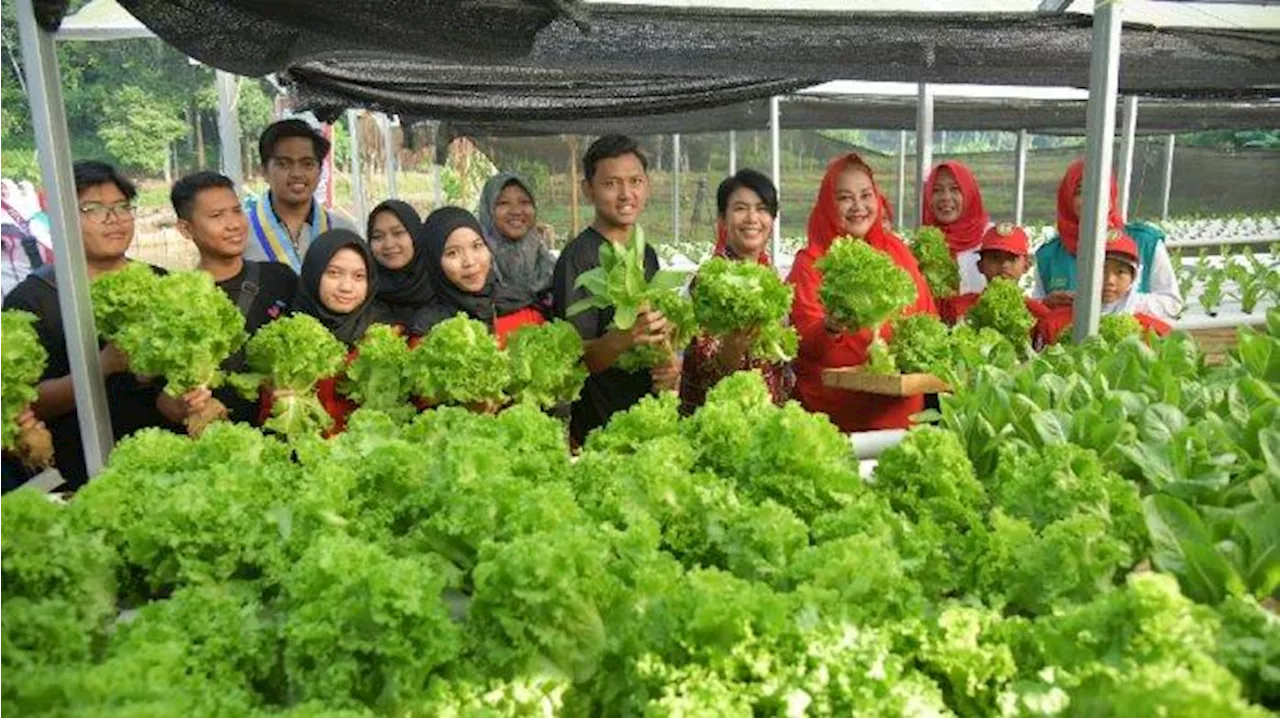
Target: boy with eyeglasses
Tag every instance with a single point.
(106, 229)
(286, 217)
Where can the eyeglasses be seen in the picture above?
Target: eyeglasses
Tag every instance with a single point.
(306, 164)
(100, 212)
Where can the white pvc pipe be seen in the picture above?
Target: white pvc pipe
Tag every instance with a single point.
(1020, 178)
(870, 444)
(53, 147)
(733, 153)
(229, 126)
(675, 187)
(775, 145)
(357, 172)
(1126, 154)
(902, 179)
(389, 155)
(1168, 177)
(1197, 243)
(924, 146)
(1222, 321)
(1104, 74)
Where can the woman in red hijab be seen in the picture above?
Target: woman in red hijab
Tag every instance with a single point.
(847, 205)
(748, 206)
(953, 203)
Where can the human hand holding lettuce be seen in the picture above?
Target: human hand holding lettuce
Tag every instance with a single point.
(651, 322)
(289, 357)
(862, 288)
(746, 305)
(23, 361)
(179, 326)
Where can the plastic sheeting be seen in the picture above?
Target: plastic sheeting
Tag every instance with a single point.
(807, 112)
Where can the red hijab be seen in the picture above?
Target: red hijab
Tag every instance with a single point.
(1068, 220)
(886, 210)
(966, 232)
(825, 222)
(722, 246)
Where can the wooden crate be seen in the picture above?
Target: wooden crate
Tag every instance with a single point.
(856, 378)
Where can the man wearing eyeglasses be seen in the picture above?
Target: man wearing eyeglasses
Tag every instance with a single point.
(285, 218)
(106, 229)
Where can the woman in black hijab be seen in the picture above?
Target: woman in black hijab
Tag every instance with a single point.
(404, 278)
(338, 284)
(462, 270)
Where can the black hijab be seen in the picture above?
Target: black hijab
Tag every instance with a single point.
(408, 288)
(347, 327)
(492, 301)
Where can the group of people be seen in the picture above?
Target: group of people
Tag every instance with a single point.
(282, 252)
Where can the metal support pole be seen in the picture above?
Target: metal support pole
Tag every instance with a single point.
(675, 187)
(775, 147)
(902, 179)
(1168, 177)
(53, 146)
(1104, 72)
(1126, 154)
(437, 192)
(389, 154)
(357, 172)
(229, 125)
(924, 146)
(1020, 179)
(733, 153)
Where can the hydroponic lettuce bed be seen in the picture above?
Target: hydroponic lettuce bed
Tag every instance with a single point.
(732, 563)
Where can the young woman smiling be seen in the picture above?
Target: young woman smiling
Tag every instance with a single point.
(748, 205)
(404, 276)
(465, 280)
(337, 286)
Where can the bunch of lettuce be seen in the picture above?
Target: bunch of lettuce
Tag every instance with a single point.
(972, 349)
(936, 263)
(459, 362)
(679, 313)
(362, 626)
(1115, 328)
(1003, 307)
(180, 511)
(862, 287)
(378, 376)
(122, 296)
(546, 364)
(920, 343)
(22, 359)
(619, 282)
(291, 356)
(746, 296)
(57, 584)
(184, 333)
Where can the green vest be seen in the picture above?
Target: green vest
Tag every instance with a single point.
(1057, 266)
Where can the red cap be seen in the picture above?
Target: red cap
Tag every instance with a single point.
(1121, 246)
(1006, 237)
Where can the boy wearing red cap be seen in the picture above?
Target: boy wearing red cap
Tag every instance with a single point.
(1004, 252)
(1119, 274)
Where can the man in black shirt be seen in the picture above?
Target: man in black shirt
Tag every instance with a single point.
(106, 228)
(211, 215)
(616, 179)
